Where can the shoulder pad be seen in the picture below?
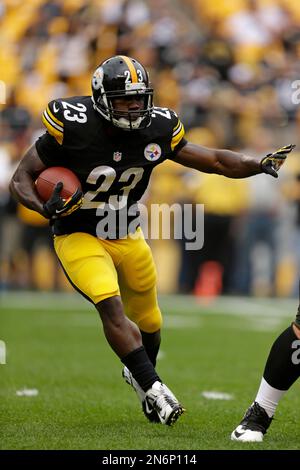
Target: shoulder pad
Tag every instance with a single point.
(169, 121)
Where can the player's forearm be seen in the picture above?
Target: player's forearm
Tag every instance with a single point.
(22, 188)
(222, 162)
(22, 185)
(236, 165)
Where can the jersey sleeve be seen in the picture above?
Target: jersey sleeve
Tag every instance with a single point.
(53, 120)
(50, 145)
(49, 151)
(177, 138)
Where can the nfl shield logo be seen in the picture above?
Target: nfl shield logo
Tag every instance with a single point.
(117, 156)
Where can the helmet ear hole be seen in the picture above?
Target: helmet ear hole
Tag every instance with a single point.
(117, 77)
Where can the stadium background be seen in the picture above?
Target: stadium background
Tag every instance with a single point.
(227, 67)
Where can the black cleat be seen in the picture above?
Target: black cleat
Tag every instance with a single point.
(253, 426)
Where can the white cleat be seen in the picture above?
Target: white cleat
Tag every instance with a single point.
(242, 434)
(165, 403)
(127, 375)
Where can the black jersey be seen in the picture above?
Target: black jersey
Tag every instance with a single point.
(113, 165)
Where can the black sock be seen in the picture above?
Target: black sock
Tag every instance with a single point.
(141, 368)
(151, 342)
(283, 364)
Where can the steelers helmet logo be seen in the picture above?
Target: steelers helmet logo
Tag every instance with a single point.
(97, 78)
(152, 152)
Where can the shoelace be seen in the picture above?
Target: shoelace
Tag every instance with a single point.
(162, 400)
(256, 418)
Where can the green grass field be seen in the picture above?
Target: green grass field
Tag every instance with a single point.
(55, 344)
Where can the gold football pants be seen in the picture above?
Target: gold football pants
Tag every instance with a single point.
(100, 269)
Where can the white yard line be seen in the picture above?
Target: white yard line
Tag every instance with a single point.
(179, 312)
(169, 322)
(179, 304)
(212, 395)
(27, 392)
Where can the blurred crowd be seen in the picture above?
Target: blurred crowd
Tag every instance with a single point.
(228, 67)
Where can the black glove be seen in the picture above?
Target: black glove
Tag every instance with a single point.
(57, 207)
(273, 161)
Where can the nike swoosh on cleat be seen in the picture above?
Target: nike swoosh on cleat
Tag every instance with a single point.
(239, 434)
(148, 407)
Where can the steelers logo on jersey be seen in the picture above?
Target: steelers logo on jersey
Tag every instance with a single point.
(152, 152)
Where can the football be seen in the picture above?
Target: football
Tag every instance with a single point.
(48, 179)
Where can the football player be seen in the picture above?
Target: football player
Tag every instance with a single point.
(112, 140)
(282, 369)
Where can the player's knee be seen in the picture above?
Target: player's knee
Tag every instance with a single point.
(151, 322)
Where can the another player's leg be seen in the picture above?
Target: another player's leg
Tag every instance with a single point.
(281, 371)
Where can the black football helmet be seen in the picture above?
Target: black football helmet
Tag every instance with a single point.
(121, 76)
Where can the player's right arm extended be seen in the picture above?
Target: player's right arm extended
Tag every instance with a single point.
(22, 185)
(229, 163)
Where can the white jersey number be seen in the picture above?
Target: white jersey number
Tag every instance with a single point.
(70, 113)
(116, 201)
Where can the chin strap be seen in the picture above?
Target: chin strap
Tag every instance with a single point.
(127, 125)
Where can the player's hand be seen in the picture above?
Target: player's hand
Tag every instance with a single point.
(273, 161)
(57, 207)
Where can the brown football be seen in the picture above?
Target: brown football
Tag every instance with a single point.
(48, 179)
